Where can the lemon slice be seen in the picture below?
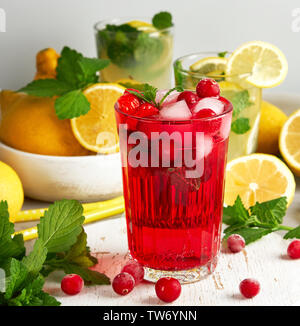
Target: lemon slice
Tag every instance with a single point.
(289, 142)
(97, 130)
(258, 178)
(142, 26)
(262, 64)
(209, 65)
(251, 144)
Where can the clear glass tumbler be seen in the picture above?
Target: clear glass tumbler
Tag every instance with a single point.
(141, 53)
(173, 179)
(245, 98)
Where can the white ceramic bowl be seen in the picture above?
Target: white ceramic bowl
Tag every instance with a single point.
(50, 178)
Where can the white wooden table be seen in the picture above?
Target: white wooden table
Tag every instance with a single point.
(265, 260)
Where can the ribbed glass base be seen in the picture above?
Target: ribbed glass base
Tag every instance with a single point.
(184, 276)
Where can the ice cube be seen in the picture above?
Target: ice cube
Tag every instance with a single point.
(204, 145)
(209, 103)
(176, 111)
(225, 127)
(171, 98)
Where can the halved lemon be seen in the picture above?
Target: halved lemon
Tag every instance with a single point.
(258, 178)
(209, 65)
(289, 142)
(262, 64)
(97, 130)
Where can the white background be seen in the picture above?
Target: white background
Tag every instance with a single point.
(201, 25)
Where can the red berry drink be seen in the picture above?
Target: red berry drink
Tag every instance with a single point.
(173, 159)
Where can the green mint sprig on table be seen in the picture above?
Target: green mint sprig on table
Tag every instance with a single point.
(61, 245)
(74, 73)
(149, 92)
(260, 220)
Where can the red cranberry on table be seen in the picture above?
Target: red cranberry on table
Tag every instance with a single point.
(208, 87)
(249, 288)
(235, 243)
(72, 284)
(123, 283)
(294, 249)
(136, 270)
(168, 289)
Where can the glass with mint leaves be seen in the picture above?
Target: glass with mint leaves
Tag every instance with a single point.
(139, 50)
(245, 98)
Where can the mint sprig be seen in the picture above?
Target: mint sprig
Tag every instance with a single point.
(260, 220)
(149, 92)
(74, 73)
(61, 245)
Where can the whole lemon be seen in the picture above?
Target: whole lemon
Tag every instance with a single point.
(29, 123)
(271, 121)
(11, 189)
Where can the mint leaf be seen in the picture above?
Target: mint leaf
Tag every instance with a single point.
(16, 276)
(60, 225)
(250, 234)
(271, 212)
(89, 276)
(72, 105)
(9, 247)
(240, 101)
(46, 88)
(222, 54)
(180, 78)
(294, 233)
(90, 66)
(240, 126)
(80, 253)
(148, 95)
(162, 20)
(76, 260)
(68, 68)
(235, 214)
(35, 260)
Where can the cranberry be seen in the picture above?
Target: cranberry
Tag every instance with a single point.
(72, 284)
(204, 113)
(134, 269)
(128, 103)
(190, 98)
(294, 249)
(146, 110)
(235, 243)
(123, 283)
(207, 88)
(249, 288)
(168, 289)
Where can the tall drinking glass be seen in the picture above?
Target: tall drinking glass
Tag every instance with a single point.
(173, 179)
(245, 98)
(137, 51)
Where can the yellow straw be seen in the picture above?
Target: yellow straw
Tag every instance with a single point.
(35, 214)
(107, 209)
